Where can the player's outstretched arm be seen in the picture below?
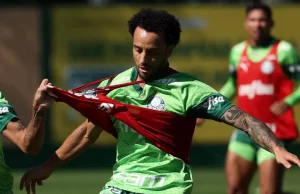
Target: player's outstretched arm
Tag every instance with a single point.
(260, 133)
(79, 140)
(228, 90)
(30, 139)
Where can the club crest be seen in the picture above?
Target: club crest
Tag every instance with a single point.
(156, 103)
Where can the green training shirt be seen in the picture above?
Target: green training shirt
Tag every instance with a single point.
(7, 113)
(140, 166)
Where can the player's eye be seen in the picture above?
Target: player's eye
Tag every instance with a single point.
(152, 52)
(138, 50)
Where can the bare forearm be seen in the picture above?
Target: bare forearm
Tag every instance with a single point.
(293, 98)
(34, 133)
(71, 147)
(257, 130)
(74, 145)
(80, 139)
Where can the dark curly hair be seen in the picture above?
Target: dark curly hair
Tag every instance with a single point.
(258, 5)
(157, 21)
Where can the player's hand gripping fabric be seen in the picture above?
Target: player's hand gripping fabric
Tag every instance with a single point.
(41, 99)
(279, 107)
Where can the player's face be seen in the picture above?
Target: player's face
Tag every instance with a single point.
(150, 53)
(258, 24)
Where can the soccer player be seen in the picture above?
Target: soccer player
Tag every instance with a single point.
(263, 72)
(29, 139)
(142, 167)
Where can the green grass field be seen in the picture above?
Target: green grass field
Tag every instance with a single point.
(207, 181)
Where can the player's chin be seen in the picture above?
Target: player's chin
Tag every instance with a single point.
(257, 36)
(146, 76)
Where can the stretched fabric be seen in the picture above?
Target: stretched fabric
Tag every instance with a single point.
(170, 132)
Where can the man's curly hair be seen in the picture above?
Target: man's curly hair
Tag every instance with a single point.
(257, 5)
(157, 21)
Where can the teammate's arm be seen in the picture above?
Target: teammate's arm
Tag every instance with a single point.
(259, 133)
(291, 67)
(294, 98)
(229, 88)
(290, 63)
(78, 141)
(280, 107)
(81, 139)
(28, 138)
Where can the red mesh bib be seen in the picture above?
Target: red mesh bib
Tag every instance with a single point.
(262, 83)
(170, 132)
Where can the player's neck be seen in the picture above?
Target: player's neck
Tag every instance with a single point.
(162, 73)
(261, 42)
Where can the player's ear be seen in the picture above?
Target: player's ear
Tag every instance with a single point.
(272, 23)
(170, 50)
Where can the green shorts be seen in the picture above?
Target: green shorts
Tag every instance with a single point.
(114, 190)
(242, 145)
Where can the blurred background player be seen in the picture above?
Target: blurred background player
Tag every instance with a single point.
(29, 139)
(263, 72)
(141, 167)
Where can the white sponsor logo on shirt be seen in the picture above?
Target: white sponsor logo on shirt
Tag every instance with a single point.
(256, 88)
(105, 107)
(89, 94)
(139, 180)
(213, 101)
(3, 110)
